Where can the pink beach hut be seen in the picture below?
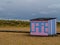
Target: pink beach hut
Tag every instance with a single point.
(43, 26)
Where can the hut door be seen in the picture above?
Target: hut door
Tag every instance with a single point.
(45, 28)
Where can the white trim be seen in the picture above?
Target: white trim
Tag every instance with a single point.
(51, 27)
(55, 26)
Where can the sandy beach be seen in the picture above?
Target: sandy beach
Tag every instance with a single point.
(23, 38)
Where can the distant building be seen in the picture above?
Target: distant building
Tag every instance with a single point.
(43, 26)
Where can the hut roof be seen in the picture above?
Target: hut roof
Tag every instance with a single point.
(41, 19)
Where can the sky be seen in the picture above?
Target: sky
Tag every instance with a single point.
(27, 9)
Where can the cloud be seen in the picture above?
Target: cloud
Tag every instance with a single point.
(33, 14)
(54, 6)
(48, 12)
(1, 9)
(43, 12)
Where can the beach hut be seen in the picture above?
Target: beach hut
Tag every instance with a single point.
(43, 26)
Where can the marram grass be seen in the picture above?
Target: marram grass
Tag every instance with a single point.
(17, 23)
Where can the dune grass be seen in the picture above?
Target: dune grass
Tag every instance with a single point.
(14, 23)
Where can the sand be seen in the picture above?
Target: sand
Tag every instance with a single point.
(21, 38)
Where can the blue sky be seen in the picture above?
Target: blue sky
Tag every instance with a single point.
(27, 9)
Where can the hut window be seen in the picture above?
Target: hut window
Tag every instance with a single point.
(37, 29)
(42, 23)
(46, 24)
(46, 29)
(42, 27)
(32, 24)
(33, 27)
(37, 24)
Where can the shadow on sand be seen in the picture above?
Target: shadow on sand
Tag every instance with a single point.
(27, 33)
(14, 31)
